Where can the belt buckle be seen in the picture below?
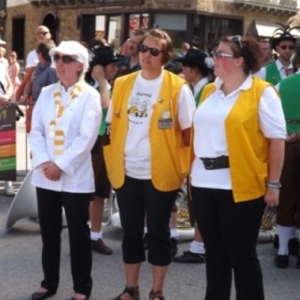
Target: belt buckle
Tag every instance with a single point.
(208, 163)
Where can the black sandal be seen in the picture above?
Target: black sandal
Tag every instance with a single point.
(156, 295)
(132, 291)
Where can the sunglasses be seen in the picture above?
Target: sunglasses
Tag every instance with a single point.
(220, 54)
(237, 39)
(42, 33)
(284, 47)
(153, 51)
(66, 59)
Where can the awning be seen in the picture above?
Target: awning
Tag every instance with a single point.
(266, 29)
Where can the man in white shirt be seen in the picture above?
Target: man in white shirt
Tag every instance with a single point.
(42, 33)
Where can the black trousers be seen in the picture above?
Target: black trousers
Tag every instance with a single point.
(135, 198)
(76, 207)
(230, 231)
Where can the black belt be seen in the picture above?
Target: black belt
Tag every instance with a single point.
(221, 162)
(293, 121)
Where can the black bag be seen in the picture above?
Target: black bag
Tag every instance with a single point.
(19, 112)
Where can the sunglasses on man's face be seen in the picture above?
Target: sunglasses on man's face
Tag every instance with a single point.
(42, 33)
(153, 51)
(284, 47)
(66, 59)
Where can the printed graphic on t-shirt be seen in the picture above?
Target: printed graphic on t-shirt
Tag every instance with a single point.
(138, 107)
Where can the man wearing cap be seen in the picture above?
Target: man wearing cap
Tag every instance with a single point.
(42, 33)
(284, 45)
(103, 68)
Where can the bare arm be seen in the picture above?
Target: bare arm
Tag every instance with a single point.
(186, 134)
(98, 73)
(276, 158)
(27, 77)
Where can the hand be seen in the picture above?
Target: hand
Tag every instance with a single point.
(98, 73)
(51, 171)
(294, 136)
(272, 197)
(23, 100)
(4, 102)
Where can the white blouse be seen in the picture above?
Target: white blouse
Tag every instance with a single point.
(210, 135)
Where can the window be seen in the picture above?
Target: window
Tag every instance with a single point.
(174, 25)
(18, 36)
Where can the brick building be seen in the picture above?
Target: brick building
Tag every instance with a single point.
(199, 22)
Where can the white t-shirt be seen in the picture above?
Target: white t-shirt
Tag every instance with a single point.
(32, 59)
(137, 153)
(210, 136)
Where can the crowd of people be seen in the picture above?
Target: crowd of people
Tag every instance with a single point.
(143, 122)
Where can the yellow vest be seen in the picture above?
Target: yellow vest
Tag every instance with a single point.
(169, 156)
(248, 149)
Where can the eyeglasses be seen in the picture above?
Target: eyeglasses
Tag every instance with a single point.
(153, 51)
(237, 39)
(284, 47)
(66, 59)
(42, 33)
(220, 54)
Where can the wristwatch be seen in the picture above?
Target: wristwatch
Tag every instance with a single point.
(273, 185)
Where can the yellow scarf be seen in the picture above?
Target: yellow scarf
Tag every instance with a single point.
(56, 131)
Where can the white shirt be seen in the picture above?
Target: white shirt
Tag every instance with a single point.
(80, 123)
(32, 59)
(199, 85)
(262, 73)
(4, 62)
(278, 84)
(210, 135)
(137, 153)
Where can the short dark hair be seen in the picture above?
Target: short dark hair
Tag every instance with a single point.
(250, 51)
(44, 48)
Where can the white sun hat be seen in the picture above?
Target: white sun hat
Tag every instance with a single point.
(73, 48)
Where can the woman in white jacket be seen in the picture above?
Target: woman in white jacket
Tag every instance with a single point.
(65, 125)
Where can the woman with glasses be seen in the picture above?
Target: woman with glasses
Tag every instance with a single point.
(238, 146)
(65, 124)
(150, 115)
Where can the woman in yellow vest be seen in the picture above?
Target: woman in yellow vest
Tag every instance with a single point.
(147, 159)
(238, 145)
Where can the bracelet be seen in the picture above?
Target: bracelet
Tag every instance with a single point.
(273, 185)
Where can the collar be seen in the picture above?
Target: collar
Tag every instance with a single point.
(199, 85)
(280, 66)
(244, 86)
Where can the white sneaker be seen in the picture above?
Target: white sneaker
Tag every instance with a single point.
(8, 189)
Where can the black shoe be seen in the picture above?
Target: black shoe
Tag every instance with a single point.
(189, 257)
(298, 263)
(85, 298)
(281, 261)
(42, 295)
(174, 247)
(145, 241)
(294, 247)
(99, 246)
